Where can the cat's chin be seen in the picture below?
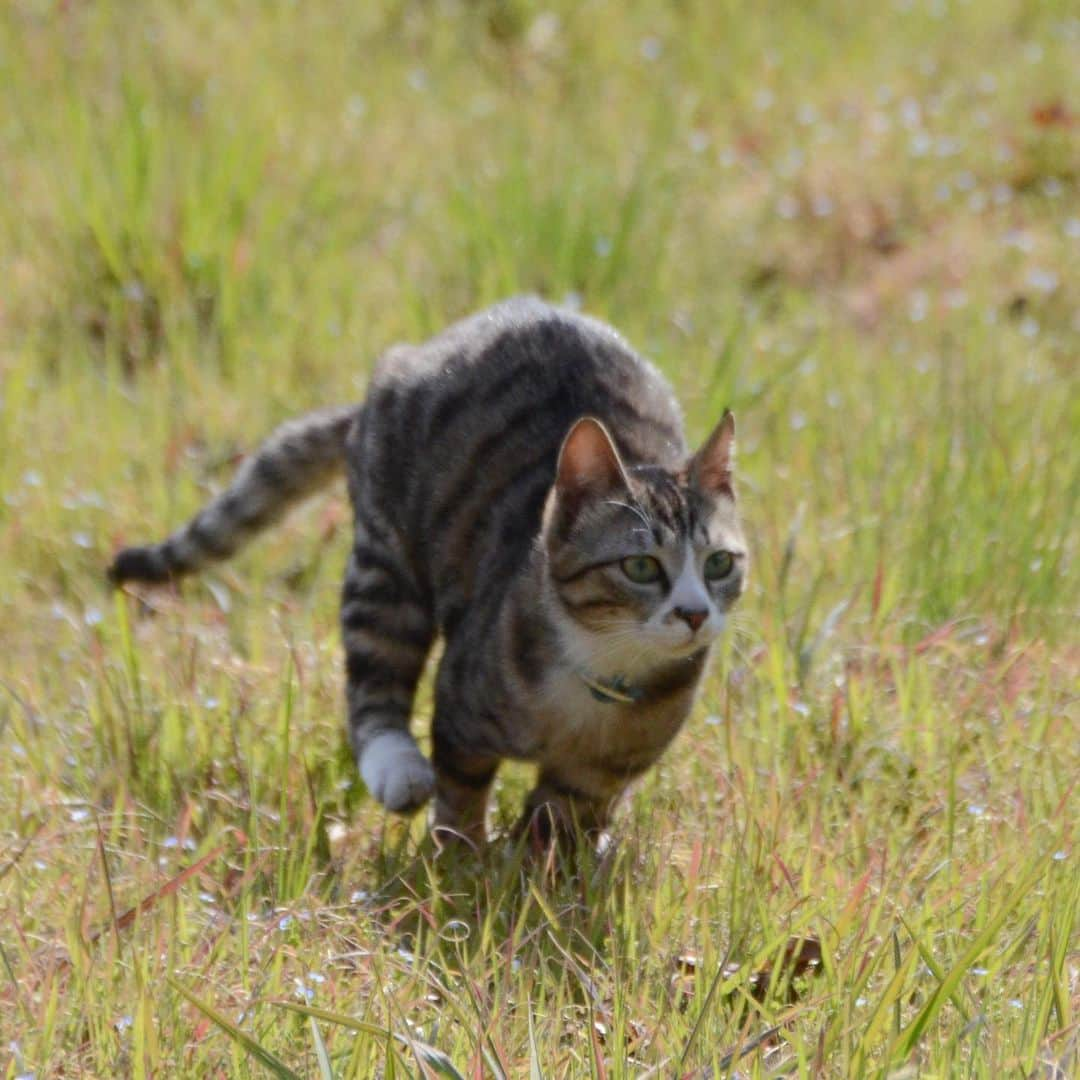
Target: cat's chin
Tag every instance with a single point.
(684, 651)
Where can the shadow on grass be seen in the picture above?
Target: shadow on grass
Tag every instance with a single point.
(509, 890)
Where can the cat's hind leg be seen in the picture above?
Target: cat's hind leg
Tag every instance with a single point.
(387, 630)
(559, 809)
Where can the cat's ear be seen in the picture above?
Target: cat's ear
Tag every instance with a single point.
(712, 467)
(589, 465)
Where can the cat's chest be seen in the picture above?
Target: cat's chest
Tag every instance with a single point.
(573, 719)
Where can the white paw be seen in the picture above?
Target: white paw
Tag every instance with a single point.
(396, 773)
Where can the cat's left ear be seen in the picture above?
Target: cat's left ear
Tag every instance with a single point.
(712, 467)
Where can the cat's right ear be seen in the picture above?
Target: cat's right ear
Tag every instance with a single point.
(589, 466)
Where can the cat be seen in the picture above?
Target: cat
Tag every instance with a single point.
(523, 491)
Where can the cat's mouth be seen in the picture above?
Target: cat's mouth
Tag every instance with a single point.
(693, 644)
(683, 641)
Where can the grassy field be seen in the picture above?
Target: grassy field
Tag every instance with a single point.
(858, 225)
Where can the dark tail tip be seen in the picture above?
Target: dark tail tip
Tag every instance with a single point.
(139, 564)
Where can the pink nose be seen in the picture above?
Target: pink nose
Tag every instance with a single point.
(693, 617)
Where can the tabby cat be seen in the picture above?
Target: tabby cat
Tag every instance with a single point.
(522, 489)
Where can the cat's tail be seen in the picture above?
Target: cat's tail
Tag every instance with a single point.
(299, 458)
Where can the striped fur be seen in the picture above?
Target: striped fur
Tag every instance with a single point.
(491, 515)
(301, 457)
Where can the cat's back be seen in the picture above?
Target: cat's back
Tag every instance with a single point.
(524, 362)
(462, 433)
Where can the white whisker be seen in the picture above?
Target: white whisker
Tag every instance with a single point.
(633, 510)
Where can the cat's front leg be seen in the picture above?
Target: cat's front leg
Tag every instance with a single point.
(386, 631)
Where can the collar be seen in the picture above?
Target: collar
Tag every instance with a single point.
(616, 691)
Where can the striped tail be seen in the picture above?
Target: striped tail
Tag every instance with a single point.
(298, 459)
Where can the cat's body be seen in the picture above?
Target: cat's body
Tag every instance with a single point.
(480, 520)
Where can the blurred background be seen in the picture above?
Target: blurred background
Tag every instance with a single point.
(859, 227)
(856, 224)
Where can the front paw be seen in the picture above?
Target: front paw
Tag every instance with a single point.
(396, 773)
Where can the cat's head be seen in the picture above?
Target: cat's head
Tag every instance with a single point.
(644, 562)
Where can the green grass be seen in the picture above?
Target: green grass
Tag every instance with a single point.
(857, 225)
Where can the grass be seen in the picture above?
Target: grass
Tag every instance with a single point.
(857, 226)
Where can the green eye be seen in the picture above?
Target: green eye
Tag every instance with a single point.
(718, 565)
(641, 569)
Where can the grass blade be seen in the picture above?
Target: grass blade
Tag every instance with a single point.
(256, 1050)
(426, 1054)
(879, 1017)
(946, 989)
(535, 1072)
(325, 1070)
